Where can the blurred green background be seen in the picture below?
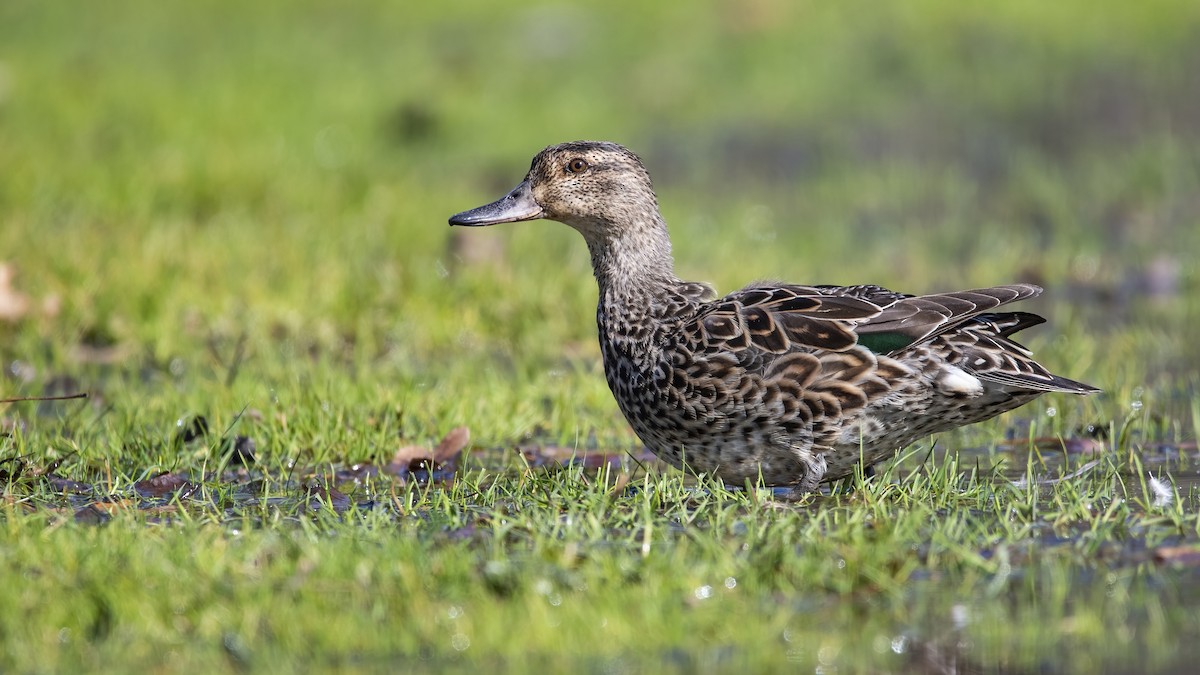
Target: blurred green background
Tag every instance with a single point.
(179, 179)
(237, 210)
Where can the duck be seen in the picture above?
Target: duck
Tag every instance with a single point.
(775, 384)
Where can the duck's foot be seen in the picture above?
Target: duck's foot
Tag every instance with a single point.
(791, 494)
(810, 484)
(801, 491)
(814, 473)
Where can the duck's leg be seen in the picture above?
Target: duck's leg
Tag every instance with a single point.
(814, 473)
(814, 468)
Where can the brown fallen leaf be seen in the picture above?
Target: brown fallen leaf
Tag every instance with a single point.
(67, 486)
(14, 305)
(98, 513)
(409, 454)
(441, 459)
(165, 484)
(1180, 556)
(91, 515)
(621, 483)
(115, 505)
(452, 445)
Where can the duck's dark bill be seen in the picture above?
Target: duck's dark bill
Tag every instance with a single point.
(512, 207)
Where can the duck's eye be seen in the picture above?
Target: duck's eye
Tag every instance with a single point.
(577, 165)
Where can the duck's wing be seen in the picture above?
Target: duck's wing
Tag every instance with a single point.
(981, 346)
(762, 321)
(961, 328)
(781, 318)
(769, 320)
(908, 321)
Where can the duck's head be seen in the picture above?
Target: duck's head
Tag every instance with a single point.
(596, 187)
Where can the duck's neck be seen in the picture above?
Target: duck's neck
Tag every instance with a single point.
(633, 263)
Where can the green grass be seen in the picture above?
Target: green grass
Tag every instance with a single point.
(555, 569)
(238, 212)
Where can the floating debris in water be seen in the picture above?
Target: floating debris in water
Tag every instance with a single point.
(1164, 494)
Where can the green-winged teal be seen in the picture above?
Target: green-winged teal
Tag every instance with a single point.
(791, 384)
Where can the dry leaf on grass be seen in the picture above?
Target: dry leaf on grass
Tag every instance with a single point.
(67, 486)
(91, 515)
(165, 484)
(14, 305)
(98, 513)
(452, 445)
(1182, 556)
(413, 458)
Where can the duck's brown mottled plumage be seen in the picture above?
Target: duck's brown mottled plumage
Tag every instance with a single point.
(793, 384)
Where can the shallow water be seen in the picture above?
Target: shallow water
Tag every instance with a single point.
(1171, 471)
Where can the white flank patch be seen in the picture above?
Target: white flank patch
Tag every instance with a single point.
(956, 381)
